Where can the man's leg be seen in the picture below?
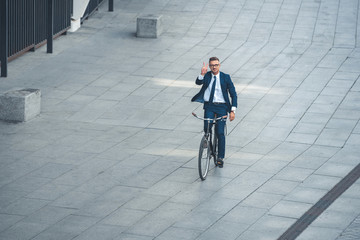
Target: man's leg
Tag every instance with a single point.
(220, 131)
(208, 113)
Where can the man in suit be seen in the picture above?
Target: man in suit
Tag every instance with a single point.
(214, 93)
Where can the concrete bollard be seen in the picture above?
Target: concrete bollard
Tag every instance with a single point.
(20, 105)
(149, 26)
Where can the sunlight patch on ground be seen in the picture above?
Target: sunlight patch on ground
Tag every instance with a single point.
(173, 83)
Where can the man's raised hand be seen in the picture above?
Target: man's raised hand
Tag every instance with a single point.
(204, 69)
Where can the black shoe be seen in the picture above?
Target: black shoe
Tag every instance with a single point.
(220, 162)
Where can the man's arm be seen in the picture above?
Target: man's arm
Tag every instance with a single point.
(233, 95)
(200, 78)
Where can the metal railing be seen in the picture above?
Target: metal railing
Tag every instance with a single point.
(61, 18)
(21, 26)
(27, 24)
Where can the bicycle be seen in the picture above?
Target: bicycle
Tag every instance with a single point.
(208, 146)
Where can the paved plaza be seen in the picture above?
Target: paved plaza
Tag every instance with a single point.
(113, 154)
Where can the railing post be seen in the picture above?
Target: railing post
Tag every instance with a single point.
(4, 42)
(34, 23)
(111, 5)
(50, 26)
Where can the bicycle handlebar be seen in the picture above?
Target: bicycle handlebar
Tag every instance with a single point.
(209, 119)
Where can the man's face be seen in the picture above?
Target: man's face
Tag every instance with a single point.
(214, 66)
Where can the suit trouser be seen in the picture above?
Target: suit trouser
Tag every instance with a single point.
(220, 110)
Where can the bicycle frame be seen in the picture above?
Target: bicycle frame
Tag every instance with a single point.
(210, 120)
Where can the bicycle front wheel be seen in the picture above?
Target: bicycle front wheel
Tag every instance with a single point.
(204, 157)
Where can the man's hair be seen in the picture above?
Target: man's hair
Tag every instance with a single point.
(214, 59)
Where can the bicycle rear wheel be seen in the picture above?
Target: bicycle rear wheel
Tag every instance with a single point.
(204, 157)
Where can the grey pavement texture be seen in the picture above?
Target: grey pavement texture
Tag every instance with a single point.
(113, 154)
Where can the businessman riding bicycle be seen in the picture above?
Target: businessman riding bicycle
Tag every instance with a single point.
(214, 93)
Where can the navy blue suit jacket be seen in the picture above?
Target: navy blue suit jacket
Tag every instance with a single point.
(227, 87)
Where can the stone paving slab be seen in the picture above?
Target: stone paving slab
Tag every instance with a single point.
(113, 154)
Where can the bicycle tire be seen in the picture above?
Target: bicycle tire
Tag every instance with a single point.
(204, 158)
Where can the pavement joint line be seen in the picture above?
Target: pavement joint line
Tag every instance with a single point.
(351, 233)
(308, 217)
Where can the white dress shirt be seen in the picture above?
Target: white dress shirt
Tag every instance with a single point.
(218, 95)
